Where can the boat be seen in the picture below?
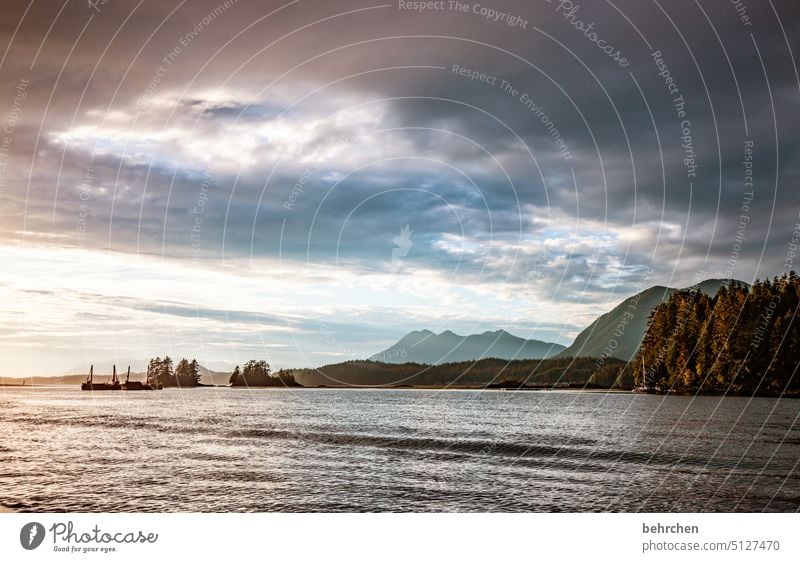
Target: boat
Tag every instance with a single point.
(646, 387)
(646, 390)
(135, 385)
(89, 384)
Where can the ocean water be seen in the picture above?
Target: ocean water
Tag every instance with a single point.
(225, 449)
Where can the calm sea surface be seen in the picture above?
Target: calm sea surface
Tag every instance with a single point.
(224, 449)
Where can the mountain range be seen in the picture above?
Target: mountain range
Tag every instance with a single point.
(424, 346)
(617, 333)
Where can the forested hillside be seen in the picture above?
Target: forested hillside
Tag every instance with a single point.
(584, 370)
(742, 340)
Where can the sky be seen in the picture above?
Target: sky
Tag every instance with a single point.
(305, 182)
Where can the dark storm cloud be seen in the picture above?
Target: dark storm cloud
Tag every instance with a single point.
(618, 124)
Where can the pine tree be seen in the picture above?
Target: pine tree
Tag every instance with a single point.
(704, 357)
(166, 374)
(182, 373)
(236, 377)
(744, 340)
(194, 372)
(154, 372)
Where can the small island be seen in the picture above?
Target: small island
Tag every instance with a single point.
(258, 373)
(255, 373)
(160, 373)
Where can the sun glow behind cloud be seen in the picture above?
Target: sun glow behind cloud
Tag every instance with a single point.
(223, 131)
(246, 204)
(82, 302)
(81, 305)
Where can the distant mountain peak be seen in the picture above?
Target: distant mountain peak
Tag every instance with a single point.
(424, 346)
(619, 332)
(711, 286)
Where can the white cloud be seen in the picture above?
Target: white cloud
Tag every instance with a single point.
(229, 131)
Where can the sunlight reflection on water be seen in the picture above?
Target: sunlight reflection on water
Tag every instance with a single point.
(223, 449)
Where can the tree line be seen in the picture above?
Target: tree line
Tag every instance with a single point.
(161, 373)
(531, 372)
(258, 373)
(743, 340)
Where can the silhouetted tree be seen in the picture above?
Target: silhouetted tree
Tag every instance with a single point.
(187, 374)
(154, 372)
(194, 371)
(258, 373)
(236, 377)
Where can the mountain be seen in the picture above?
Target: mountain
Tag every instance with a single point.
(711, 286)
(618, 333)
(217, 378)
(46, 380)
(423, 346)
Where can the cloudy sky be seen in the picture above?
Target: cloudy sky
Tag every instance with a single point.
(307, 181)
